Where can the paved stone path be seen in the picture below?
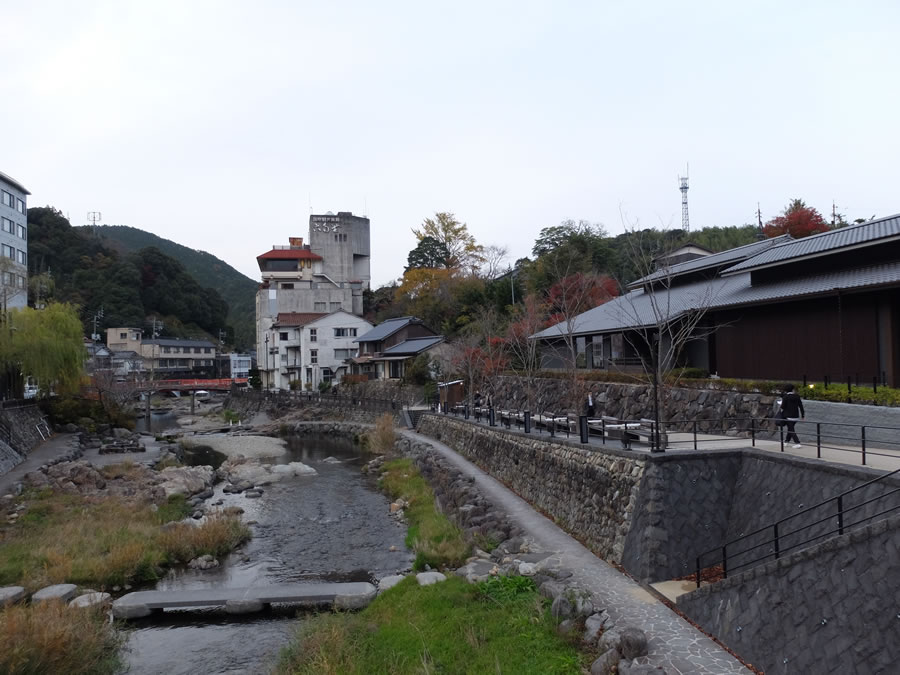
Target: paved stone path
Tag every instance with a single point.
(876, 458)
(53, 447)
(674, 643)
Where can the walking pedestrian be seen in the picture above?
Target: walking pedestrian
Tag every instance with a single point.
(791, 411)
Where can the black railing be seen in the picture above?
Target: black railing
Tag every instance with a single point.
(785, 535)
(586, 429)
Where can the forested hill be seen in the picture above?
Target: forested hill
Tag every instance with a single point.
(70, 265)
(238, 290)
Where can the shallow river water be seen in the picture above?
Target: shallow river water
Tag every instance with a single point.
(334, 526)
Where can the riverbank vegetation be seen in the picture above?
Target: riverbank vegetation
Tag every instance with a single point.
(52, 638)
(499, 626)
(382, 439)
(436, 541)
(105, 542)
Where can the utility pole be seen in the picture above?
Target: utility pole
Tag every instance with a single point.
(759, 233)
(512, 287)
(95, 336)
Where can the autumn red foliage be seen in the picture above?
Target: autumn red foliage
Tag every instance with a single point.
(797, 220)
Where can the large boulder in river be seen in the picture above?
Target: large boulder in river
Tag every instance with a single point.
(186, 480)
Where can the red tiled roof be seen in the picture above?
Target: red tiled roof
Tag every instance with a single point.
(289, 254)
(298, 318)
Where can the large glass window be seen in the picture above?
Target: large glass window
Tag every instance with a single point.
(319, 306)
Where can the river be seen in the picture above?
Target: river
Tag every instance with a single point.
(334, 526)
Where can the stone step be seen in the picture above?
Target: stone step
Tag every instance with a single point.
(139, 604)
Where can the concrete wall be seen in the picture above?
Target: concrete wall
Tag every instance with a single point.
(589, 493)
(9, 458)
(828, 609)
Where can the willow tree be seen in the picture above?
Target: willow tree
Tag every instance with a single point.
(46, 345)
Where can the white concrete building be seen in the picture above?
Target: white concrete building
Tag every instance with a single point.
(309, 348)
(326, 275)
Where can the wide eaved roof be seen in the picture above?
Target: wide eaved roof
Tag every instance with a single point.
(869, 233)
(638, 309)
(413, 346)
(386, 329)
(289, 254)
(716, 260)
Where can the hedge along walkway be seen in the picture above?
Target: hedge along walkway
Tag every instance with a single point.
(674, 643)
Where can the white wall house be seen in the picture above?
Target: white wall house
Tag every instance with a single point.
(310, 348)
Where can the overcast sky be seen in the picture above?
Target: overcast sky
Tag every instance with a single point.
(220, 124)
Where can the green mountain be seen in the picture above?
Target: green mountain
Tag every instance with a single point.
(132, 288)
(238, 290)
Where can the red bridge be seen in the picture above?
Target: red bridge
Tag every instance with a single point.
(222, 384)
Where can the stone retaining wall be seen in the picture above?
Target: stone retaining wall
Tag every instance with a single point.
(634, 401)
(683, 509)
(591, 494)
(828, 609)
(23, 423)
(9, 458)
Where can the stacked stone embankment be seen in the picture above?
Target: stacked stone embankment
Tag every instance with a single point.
(591, 494)
(709, 407)
(827, 609)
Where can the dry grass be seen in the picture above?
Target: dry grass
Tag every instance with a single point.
(104, 542)
(217, 536)
(51, 638)
(382, 439)
(126, 470)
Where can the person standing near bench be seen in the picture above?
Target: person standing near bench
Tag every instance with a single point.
(791, 411)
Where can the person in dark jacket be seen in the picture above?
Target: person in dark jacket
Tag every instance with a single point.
(791, 411)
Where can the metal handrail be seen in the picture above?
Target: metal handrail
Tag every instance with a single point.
(775, 540)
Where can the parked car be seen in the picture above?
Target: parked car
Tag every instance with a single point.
(201, 395)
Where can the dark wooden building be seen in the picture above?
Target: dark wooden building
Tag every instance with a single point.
(826, 306)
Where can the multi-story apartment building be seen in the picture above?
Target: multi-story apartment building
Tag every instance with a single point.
(327, 275)
(175, 358)
(165, 357)
(13, 244)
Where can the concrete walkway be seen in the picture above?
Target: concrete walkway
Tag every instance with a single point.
(876, 458)
(53, 447)
(674, 643)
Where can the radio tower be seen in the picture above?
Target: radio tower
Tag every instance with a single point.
(683, 186)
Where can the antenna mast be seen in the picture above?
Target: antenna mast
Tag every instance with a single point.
(683, 186)
(94, 217)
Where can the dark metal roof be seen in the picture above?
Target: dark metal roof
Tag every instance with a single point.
(386, 329)
(413, 346)
(639, 309)
(12, 181)
(713, 261)
(864, 234)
